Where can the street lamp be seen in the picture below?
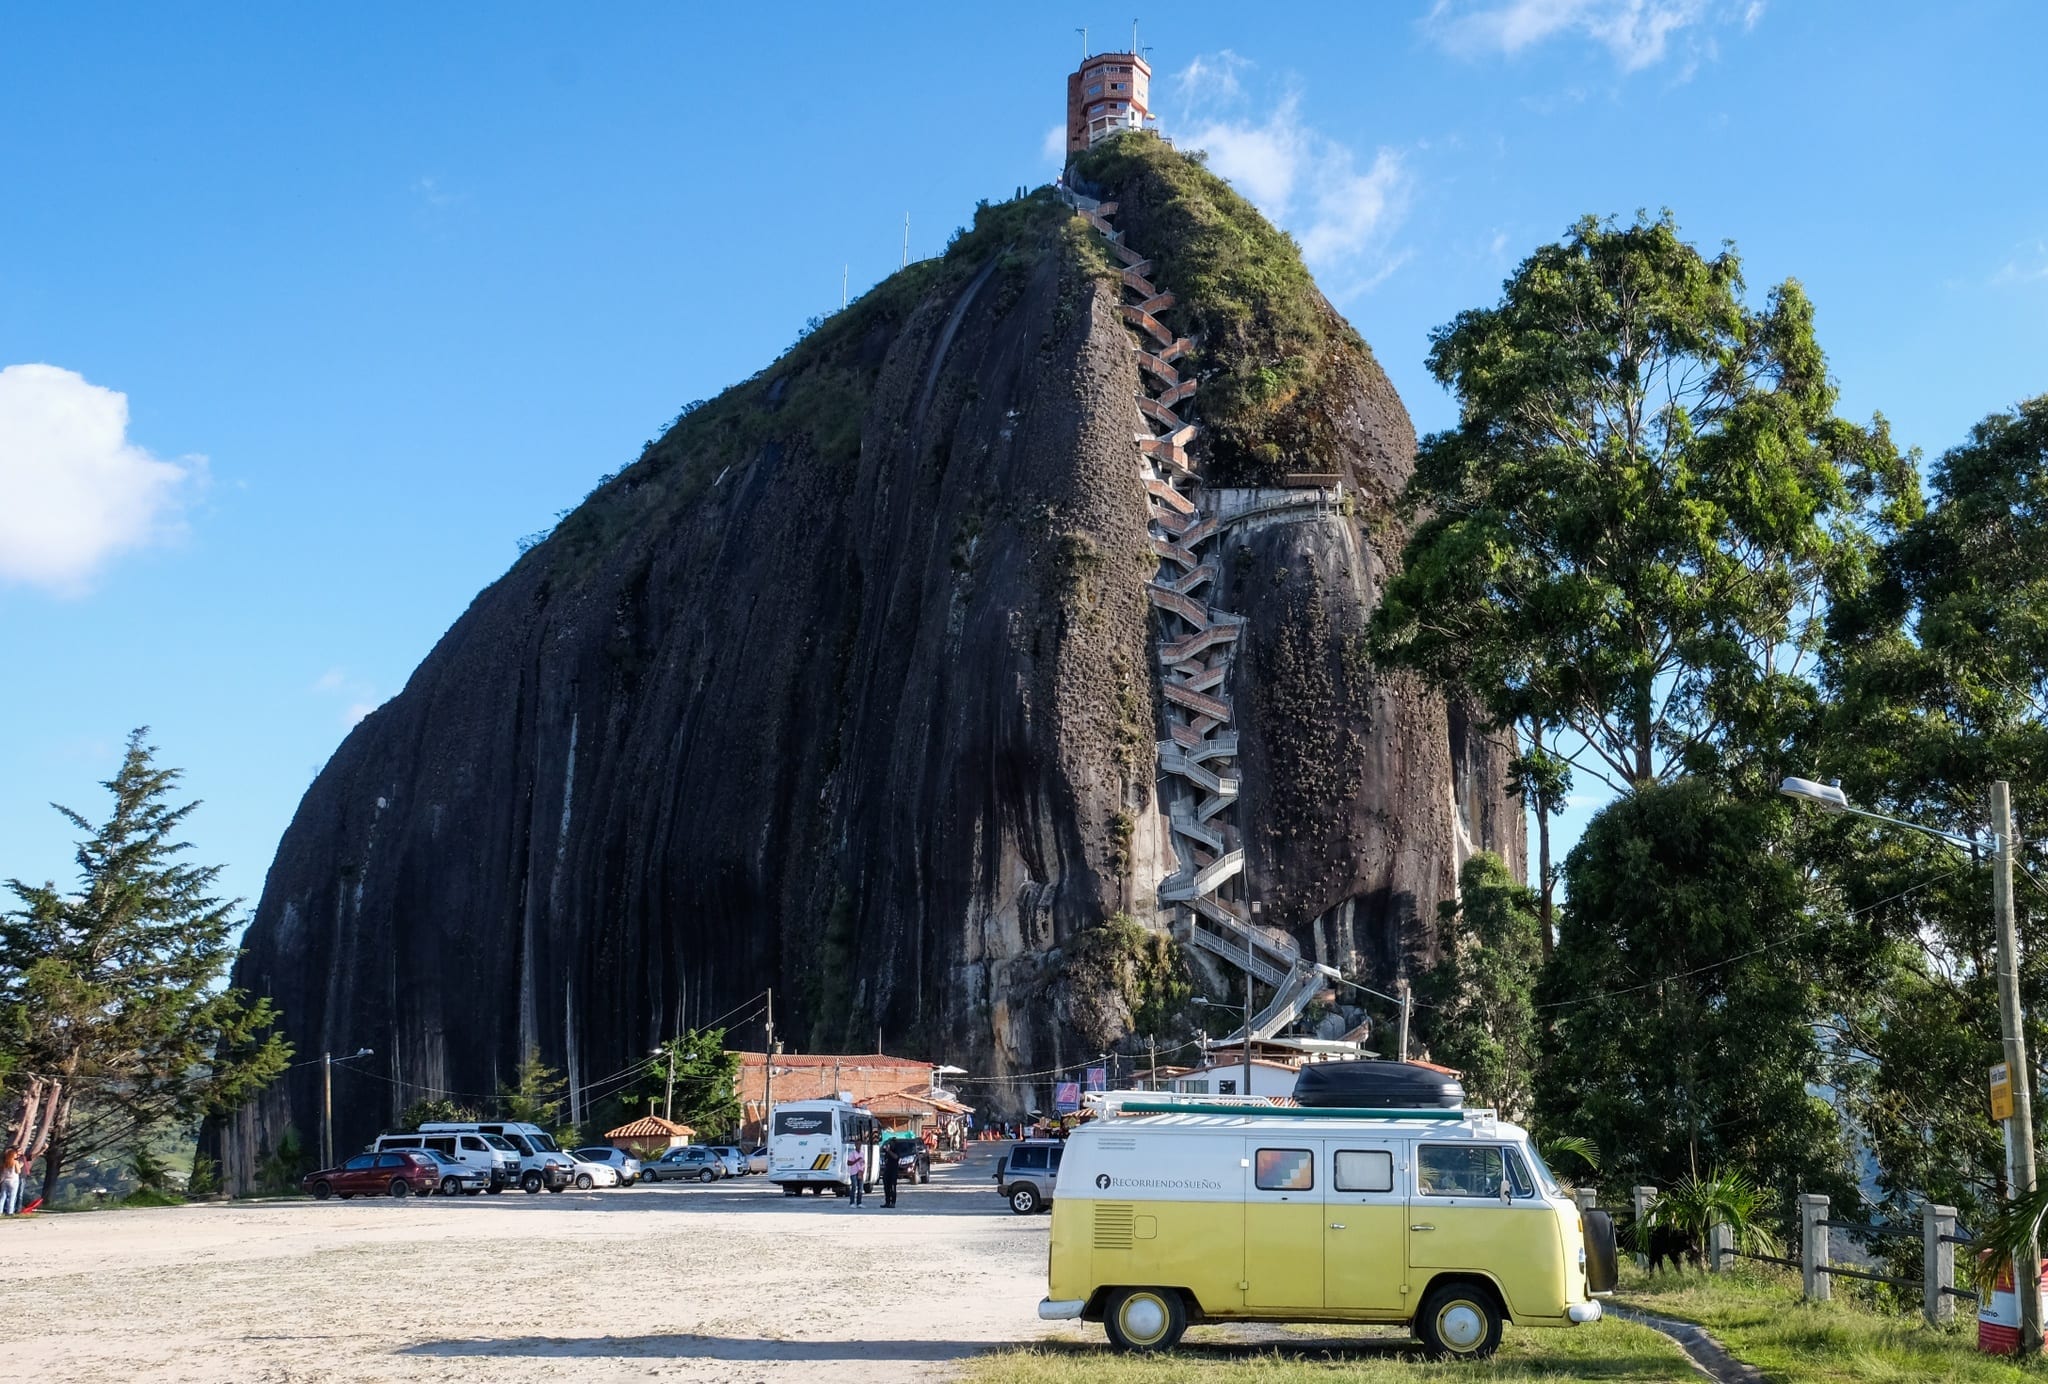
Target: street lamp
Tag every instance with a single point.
(2019, 1129)
(327, 1061)
(1207, 1003)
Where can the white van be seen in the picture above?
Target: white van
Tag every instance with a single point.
(541, 1161)
(809, 1142)
(487, 1153)
(1446, 1221)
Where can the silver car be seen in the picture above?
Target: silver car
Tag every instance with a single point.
(620, 1162)
(691, 1163)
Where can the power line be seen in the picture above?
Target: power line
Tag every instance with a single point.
(1753, 951)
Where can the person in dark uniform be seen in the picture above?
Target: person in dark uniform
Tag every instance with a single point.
(890, 1172)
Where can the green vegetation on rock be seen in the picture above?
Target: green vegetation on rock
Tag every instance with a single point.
(1272, 355)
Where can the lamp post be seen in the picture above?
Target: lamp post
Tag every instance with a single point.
(327, 1061)
(668, 1099)
(2019, 1129)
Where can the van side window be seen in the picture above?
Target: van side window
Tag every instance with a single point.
(1458, 1170)
(1518, 1176)
(472, 1143)
(1027, 1159)
(441, 1145)
(1365, 1170)
(1284, 1170)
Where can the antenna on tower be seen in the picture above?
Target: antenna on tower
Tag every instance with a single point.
(1084, 43)
(1134, 35)
(842, 287)
(906, 240)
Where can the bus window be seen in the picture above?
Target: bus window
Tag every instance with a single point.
(1458, 1170)
(803, 1122)
(1285, 1170)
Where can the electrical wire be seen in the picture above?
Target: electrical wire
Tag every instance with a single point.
(1753, 951)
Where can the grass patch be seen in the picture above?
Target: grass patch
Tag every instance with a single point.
(1612, 1351)
(1760, 1317)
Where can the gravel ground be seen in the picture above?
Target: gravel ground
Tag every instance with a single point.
(732, 1282)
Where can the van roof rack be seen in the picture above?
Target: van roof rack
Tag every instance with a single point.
(1113, 1104)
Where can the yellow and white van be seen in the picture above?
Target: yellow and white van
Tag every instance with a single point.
(1169, 1212)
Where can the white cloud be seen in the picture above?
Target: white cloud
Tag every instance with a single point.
(1343, 214)
(74, 491)
(1638, 33)
(1054, 147)
(360, 695)
(2028, 265)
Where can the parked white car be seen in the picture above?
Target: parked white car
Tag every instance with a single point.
(591, 1174)
(757, 1160)
(732, 1160)
(621, 1162)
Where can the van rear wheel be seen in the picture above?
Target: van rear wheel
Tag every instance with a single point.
(1145, 1319)
(1459, 1321)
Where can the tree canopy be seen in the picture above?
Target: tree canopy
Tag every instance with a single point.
(1628, 533)
(1480, 1000)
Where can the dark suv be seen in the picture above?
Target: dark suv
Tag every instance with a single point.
(913, 1159)
(1027, 1172)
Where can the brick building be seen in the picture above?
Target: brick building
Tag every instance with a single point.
(1108, 93)
(821, 1076)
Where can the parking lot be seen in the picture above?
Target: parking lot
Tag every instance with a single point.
(727, 1282)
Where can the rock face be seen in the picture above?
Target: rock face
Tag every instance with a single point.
(845, 687)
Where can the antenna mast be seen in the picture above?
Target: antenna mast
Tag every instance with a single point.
(1084, 43)
(906, 240)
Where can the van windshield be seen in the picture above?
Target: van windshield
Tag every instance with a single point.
(1544, 1179)
(517, 1141)
(545, 1143)
(499, 1141)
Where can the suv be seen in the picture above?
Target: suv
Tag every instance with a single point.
(913, 1159)
(1026, 1174)
(691, 1162)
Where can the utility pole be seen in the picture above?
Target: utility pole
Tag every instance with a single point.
(327, 1102)
(842, 307)
(668, 1099)
(1407, 1004)
(2019, 1130)
(906, 240)
(768, 1068)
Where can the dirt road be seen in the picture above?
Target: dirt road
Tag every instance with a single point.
(732, 1282)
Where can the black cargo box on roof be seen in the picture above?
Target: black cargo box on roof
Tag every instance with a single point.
(1377, 1085)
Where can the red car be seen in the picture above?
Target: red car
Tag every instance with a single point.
(395, 1172)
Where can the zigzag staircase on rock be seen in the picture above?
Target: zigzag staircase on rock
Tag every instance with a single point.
(1198, 761)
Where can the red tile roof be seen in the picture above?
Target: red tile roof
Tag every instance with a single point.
(651, 1127)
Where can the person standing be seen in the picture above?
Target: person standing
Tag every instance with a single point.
(856, 1174)
(891, 1157)
(10, 1182)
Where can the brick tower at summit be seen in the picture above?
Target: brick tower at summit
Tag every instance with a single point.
(1110, 92)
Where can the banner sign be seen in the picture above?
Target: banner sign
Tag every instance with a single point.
(2001, 1092)
(1066, 1096)
(1098, 1078)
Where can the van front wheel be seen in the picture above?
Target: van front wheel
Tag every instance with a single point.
(1459, 1321)
(1145, 1319)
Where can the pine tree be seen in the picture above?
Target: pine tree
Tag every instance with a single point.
(118, 989)
(1481, 998)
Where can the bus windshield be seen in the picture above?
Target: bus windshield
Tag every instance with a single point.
(803, 1122)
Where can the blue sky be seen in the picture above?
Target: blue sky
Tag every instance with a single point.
(335, 304)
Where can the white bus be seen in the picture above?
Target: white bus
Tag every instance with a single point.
(808, 1143)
